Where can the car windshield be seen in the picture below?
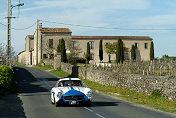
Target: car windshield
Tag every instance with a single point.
(70, 83)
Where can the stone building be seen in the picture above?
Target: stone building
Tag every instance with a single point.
(25, 57)
(44, 42)
(141, 43)
(29, 48)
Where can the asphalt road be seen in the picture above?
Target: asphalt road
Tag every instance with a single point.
(35, 95)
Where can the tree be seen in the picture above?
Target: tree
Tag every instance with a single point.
(59, 46)
(133, 52)
(47, 49)
(73, 56)
(109, 48)
(152, 51)
(3, 54)
(87, 55)
(101, 50)
(63, 51)
(119, 51)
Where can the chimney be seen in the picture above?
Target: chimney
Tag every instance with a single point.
(40, 26)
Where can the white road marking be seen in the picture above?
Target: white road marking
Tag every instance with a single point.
(94, 112)
(99, 115)
(89, 109)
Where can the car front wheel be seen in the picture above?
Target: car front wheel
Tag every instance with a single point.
(52, 99)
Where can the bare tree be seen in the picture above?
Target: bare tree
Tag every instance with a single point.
(13, 55)
(3, 54)
(75, 50)
(48, 50)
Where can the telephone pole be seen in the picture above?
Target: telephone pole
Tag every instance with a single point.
(8, 51)
(9, 17)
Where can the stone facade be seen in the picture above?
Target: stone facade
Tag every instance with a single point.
(139, 83)
(42, 47)
(29, 47)
(22, 57)
(44, 42)
(142, 52)
(25, 57)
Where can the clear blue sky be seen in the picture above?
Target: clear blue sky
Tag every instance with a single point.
(125, 14)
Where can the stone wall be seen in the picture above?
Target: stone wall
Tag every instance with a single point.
(139, 83)
(57, 60)
(48, 61)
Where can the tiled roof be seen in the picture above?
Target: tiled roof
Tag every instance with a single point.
(30, 36)
(112, 37)
(21, 52)
(55, 30)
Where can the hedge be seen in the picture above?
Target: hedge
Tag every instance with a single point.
(6, 78)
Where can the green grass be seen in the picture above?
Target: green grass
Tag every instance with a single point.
(18, 64)
(46, 67)
(155, 100)
(59, 73)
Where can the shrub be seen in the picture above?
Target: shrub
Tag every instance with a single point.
(101, 50)
(152, 51)
(6, 78)
(156, 94)
(75, 60)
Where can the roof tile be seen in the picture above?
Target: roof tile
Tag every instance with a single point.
(56, 30)
(30, 36)
(112, 37)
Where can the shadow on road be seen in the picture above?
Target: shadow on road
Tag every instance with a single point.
(95, 104)
(11, 107)
(98, 104)
(28, 83)
(34, 94)
(52, 79)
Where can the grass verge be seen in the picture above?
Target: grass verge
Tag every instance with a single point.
(18, 64)
(46, 67)
(155, 100)
(59, 73)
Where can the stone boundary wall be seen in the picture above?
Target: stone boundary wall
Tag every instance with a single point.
(48, 61)
(139, 83)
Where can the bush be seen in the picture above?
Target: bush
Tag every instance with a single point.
(156, 94)
(6, 78)
(81, 60)
(75, 60)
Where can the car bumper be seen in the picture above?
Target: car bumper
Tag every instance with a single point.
(73, 102)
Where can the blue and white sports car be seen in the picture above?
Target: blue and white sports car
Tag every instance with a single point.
(71, 91)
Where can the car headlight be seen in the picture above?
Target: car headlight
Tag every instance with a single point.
(59, 94)
(89, 94)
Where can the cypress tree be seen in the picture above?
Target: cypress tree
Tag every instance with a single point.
(63, 51)
(133, 53)
(59, 46)
(88, 52)
(120, 51)
(152, 51)
(101, 50)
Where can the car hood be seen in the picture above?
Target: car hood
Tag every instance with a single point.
(72, 89)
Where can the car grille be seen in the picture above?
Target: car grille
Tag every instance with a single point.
(74, 97)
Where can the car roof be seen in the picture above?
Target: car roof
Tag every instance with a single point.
(68, 79)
